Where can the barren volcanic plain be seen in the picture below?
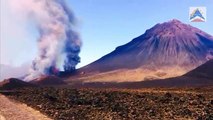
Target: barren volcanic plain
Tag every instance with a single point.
(119, 104)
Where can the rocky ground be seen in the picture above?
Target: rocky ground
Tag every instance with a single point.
(119, 104)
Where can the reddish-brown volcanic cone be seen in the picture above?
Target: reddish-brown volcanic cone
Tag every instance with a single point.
(14, 83)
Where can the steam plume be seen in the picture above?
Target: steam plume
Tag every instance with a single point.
(58, 40)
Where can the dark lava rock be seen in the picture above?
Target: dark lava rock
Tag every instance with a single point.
(116, 104)
(168, 95)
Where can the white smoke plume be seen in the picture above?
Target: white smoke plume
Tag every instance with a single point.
(58, 38)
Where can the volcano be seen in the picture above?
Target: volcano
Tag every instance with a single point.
(14, 83)
(166, 50)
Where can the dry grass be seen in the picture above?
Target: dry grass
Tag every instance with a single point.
(128, 75)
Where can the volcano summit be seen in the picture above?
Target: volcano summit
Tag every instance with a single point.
(166, 50)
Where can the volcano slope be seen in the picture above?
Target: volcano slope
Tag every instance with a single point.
(166, 50)
(199, 77)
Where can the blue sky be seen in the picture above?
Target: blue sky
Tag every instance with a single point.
(103, 25)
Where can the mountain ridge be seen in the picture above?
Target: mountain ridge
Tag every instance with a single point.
(169, 45)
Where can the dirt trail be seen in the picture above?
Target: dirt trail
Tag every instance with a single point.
(11, 110)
